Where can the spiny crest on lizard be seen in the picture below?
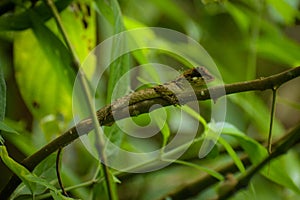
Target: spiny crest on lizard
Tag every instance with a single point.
(194, 78)
(197, 78)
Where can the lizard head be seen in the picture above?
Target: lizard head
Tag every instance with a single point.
(198, 76)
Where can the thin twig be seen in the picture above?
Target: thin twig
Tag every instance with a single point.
(58, 172)
(273, 108)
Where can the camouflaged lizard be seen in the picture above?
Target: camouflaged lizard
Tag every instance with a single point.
(195, 78)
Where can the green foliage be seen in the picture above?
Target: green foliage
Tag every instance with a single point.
(277, 170)
(247, 39)
(29, 179)
(6, 128)
(47, 75)
(204, 169)
(22, 20)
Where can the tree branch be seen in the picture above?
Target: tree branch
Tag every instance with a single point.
(106, 116)
(291, 138)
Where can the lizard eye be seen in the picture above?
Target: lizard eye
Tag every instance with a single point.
(195, 78)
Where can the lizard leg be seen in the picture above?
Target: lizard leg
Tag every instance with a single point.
(167, 94)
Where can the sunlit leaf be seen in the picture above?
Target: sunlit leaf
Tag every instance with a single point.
(80, 27)
(43, 73)
(106, 11)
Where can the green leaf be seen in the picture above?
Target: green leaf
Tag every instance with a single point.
(213, 173)
(210, 137)
(21, 21)
(272, 46)
(18, 169)
(30, 179)
(283, 11)
(112, 13)
(106, 11)
(5, 127)
(232, 154)
(45, 169)
(120, 66)
(80, 27)
(255, 150)
(194, 114)
(22, 139)
(162, 124)
(43, 73)
(277, 171)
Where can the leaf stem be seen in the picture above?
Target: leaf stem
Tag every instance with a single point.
(274, 94)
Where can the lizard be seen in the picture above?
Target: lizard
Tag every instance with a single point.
(196, 77)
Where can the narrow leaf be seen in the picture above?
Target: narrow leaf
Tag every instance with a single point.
(194, 114)
(15, 167)
(28, 178)
(205, 169)
(160, 120)
(232, 154)
(7, 128)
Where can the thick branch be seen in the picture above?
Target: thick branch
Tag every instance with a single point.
(106, 117)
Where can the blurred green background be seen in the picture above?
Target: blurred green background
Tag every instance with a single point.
(247, 39)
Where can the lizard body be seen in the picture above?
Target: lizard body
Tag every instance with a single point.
(194, 78)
